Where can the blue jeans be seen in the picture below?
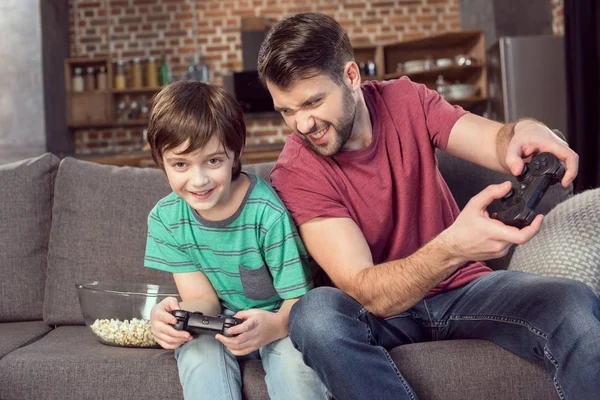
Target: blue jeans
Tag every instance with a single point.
(207, 370)
(547, 319)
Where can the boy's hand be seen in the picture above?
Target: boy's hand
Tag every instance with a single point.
(161, 320)
(258, 329)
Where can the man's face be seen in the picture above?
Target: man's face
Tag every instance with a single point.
(202, 178)
(319, 111)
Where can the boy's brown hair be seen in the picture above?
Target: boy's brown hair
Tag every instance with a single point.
(195, 111)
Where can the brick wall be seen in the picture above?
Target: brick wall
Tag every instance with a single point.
(558, 20)
(142, 28)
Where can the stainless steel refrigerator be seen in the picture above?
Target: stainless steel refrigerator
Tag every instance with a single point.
(526, 78)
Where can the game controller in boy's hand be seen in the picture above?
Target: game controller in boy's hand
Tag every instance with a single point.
(196, 322)
(518, 206)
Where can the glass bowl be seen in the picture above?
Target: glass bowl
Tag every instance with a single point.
(119, 313)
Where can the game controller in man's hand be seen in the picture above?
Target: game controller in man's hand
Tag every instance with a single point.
(196, 322)
(518, 205)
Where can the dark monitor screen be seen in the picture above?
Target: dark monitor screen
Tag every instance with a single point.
(250, 93)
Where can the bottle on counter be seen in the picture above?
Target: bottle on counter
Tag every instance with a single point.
(371, 68)
(90, 80)
(441, 86)
(77, 84)
(151, 73)
(144, 109)
(120, 79)
(101, 78)
(203, 69)
(136, 74)
(164, 73)
(193, 73)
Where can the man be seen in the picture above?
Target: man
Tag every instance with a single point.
(359, 176)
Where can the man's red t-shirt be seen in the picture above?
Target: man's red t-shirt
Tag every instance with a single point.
(392, 189)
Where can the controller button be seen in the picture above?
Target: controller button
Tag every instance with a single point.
(510, 194)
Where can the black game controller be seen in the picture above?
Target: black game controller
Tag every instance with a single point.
(518, 205)
(197, 323)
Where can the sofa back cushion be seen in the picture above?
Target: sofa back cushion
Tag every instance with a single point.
(26, 213)
(98, 232)
(568, 245)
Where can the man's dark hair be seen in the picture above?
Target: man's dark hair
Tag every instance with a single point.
(301, 47)
(191, 111)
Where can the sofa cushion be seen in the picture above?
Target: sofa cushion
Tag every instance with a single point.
(99, 228)
(568, 245)
(16, 334)
(26, 213)
(70, 363)
(471, 369)
(261, 169)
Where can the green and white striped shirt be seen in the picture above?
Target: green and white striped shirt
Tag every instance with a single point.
(253, 259)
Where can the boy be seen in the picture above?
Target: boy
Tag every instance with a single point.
(231, 246)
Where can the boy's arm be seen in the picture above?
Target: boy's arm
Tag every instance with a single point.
(197, 293)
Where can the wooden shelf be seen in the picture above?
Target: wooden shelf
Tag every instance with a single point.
(467, 102)
(109, 124)
(450, 73)
(252, 154)
(136, 90)
(442, 46)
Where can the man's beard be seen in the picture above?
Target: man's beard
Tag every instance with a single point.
(343, 128)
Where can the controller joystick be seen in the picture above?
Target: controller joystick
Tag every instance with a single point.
(518, 206)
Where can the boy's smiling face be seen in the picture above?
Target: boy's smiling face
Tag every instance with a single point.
(202, 178)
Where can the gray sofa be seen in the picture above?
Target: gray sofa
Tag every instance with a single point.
(69, 221)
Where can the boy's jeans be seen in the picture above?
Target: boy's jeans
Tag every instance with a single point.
(548, 319)
(207, 370)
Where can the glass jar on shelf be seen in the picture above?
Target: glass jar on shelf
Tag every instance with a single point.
(90, 80)
(77, 84)
(123, 109)
(151, 73)
(136, 74)
(101, 78)
(120, 79)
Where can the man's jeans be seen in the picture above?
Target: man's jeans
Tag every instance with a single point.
(549, 319)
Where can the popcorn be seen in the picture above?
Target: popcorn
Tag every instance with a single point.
(135, 333)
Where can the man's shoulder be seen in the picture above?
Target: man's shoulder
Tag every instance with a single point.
(295, 156)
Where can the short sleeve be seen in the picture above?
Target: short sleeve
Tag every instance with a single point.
(440, 115)
(162, 250)
(307, 195)
(287, 259)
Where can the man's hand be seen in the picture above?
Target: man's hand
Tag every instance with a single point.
(476, 236)
(259, 328)
(530, 137)
(161, 320)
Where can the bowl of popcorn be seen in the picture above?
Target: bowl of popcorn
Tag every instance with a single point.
(119, 313)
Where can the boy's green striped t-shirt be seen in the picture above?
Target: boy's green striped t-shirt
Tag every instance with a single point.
(253, 259)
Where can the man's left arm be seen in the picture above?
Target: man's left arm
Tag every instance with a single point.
(503, 147)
